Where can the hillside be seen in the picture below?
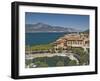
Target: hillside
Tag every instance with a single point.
(41, 27)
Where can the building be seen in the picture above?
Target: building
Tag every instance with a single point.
(72, 40)
(60, 43)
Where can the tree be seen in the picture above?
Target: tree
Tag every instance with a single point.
(72, 63)
(28, 62)
(79, 51)
(84, 59)
(43, 64)
(60, 63)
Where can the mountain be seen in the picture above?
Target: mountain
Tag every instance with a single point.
(41, 27)
(86, 31)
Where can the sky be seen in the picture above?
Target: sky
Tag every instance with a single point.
(80, 22)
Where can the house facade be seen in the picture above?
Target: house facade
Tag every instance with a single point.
(72, 40)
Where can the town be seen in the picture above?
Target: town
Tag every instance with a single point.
(72, 40)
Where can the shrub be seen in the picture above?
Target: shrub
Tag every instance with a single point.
(72, 63)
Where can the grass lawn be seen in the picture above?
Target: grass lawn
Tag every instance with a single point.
(41, 47)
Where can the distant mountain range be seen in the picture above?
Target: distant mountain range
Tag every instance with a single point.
(86, 31)
(41, 27)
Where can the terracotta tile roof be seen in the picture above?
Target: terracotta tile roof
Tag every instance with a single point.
(71, 37)
(60, 41)
(74, 38)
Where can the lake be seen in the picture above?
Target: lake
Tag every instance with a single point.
(42, 38)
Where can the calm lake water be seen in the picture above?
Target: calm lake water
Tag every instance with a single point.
(42, 38)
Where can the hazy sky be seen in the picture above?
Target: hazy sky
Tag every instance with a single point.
(65, 20)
